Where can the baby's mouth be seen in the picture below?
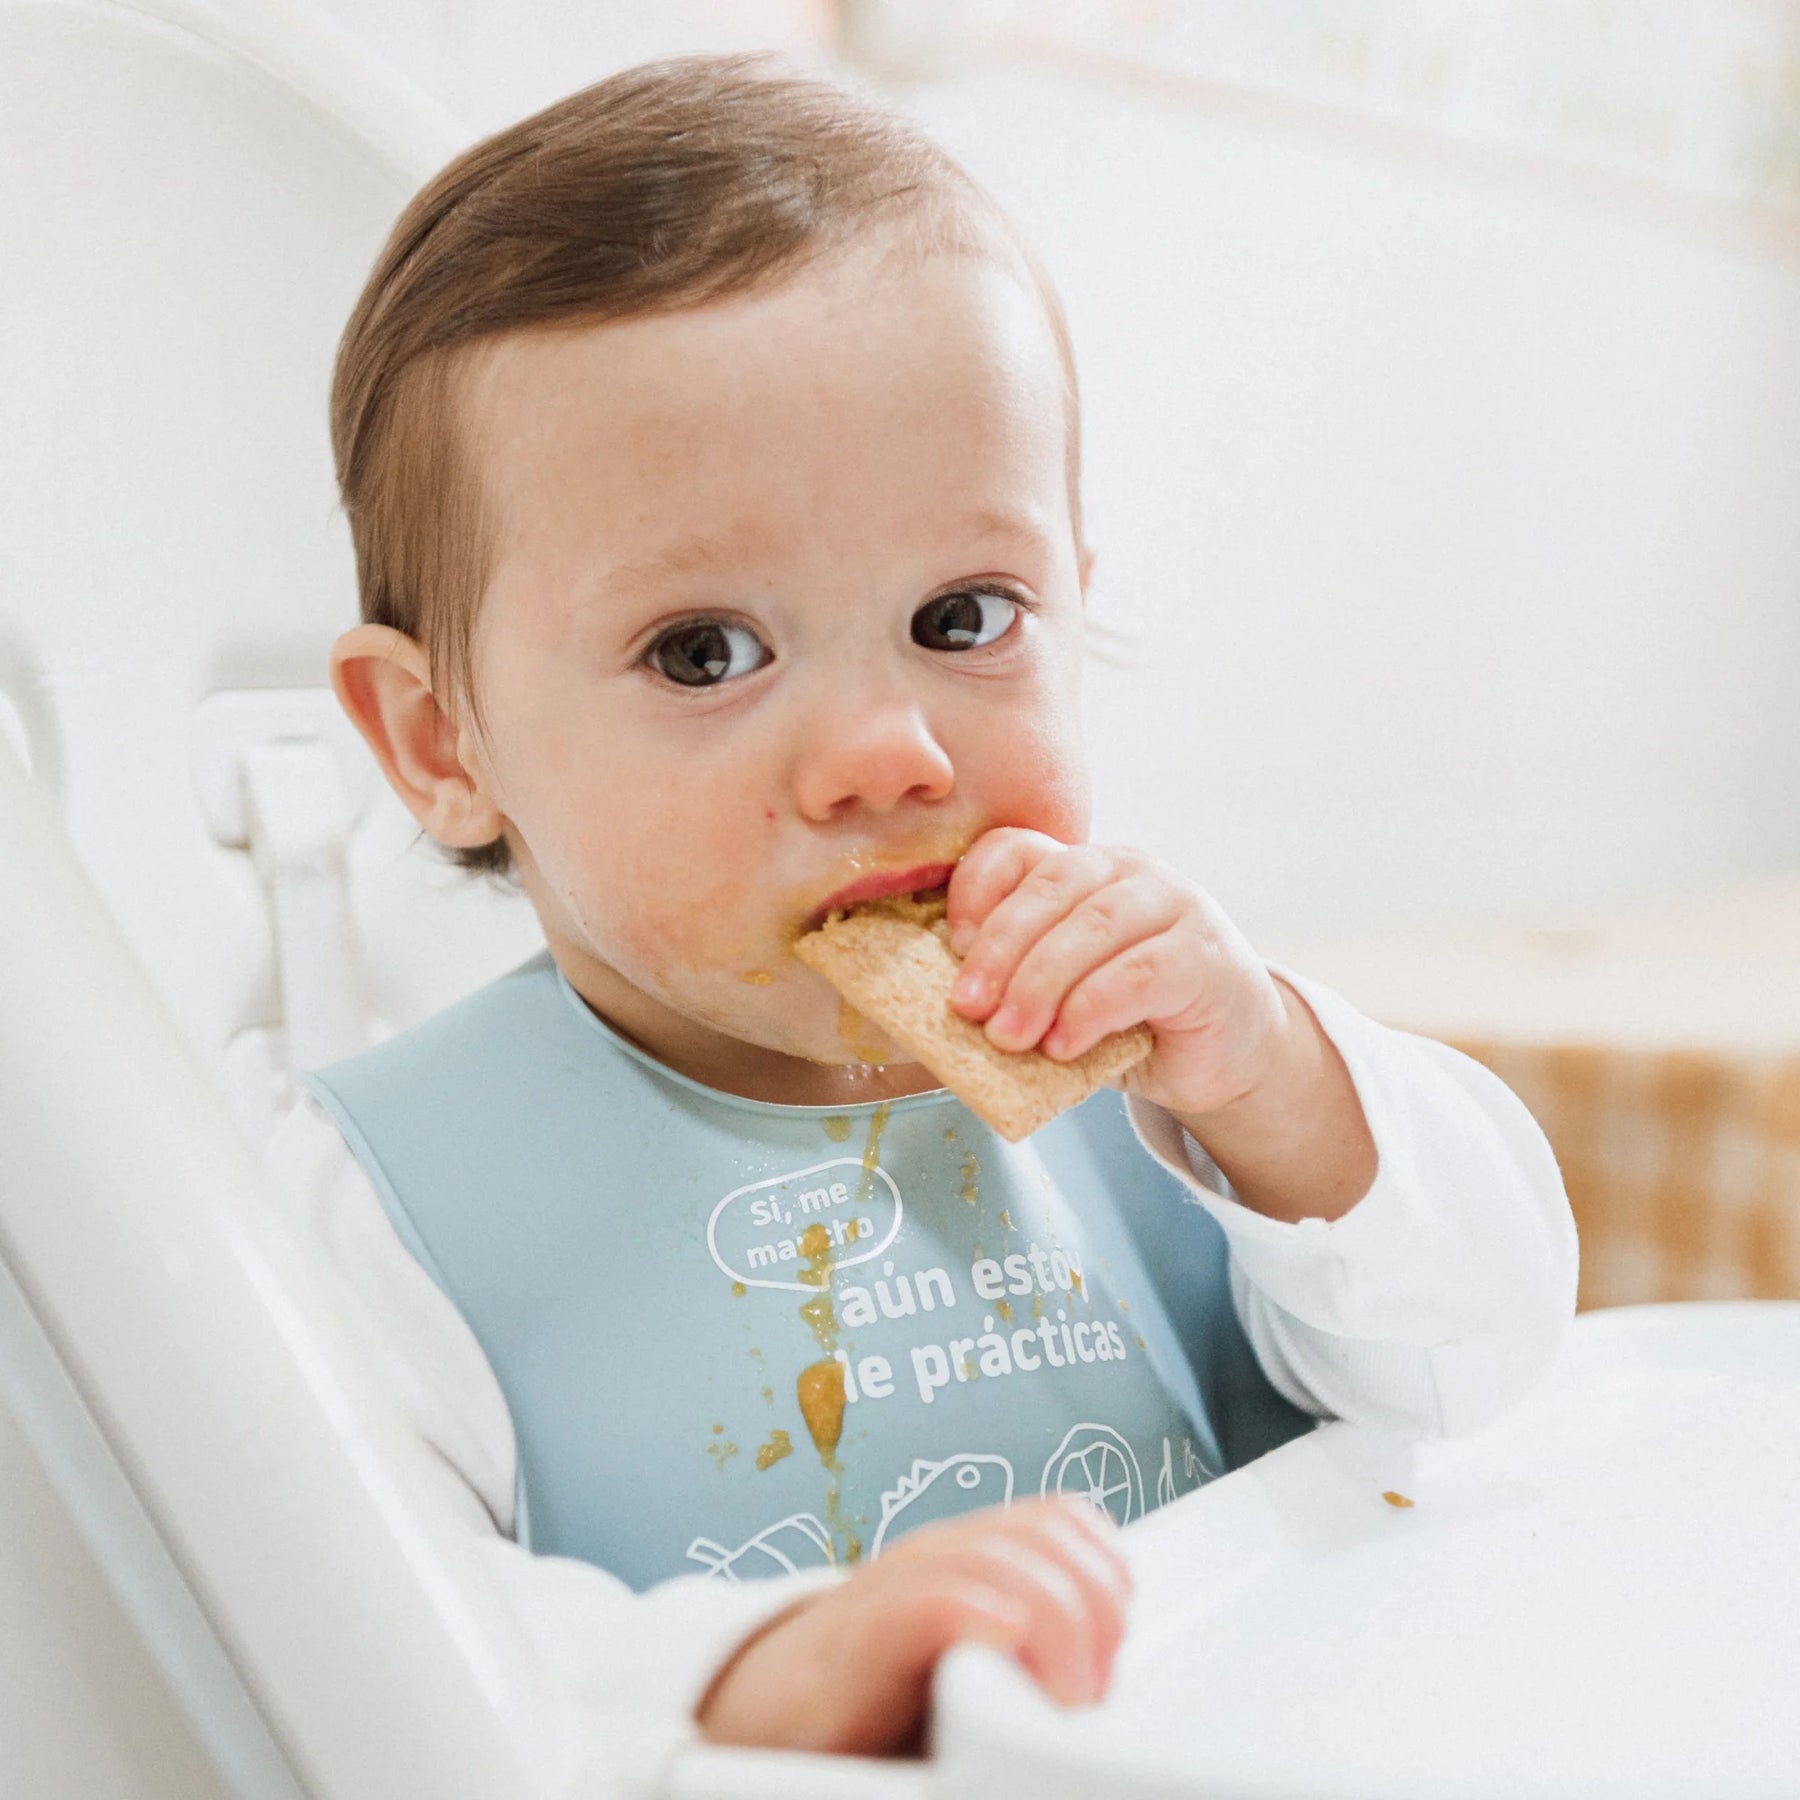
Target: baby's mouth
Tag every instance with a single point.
(881, 886)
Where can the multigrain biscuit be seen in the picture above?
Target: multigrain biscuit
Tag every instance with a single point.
(891, 959)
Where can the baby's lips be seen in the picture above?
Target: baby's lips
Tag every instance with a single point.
(882, 885)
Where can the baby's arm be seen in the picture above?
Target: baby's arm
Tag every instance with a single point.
(1447, 1289)
(817, 1660)
(1402, 1249)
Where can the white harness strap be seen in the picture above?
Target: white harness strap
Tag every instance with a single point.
(300, 821)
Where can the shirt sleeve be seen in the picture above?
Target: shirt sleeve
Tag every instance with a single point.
(644, 1660)
(1446, 1290)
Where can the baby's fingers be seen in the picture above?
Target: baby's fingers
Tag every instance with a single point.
(1102, 930)
(990, 869)
(1053, 885)
(1062, 1646)
(1131, 988)
(1059, 1567)
(1082, 1541)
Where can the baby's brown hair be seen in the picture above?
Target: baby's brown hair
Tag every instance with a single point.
(665, 187)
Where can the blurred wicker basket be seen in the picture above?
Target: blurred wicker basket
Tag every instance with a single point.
(1658, 1047)
(1683, 1166)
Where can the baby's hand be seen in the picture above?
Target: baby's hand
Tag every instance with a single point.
(1064, 944)
(850, 1671)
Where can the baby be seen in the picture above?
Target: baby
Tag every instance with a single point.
(710, 445)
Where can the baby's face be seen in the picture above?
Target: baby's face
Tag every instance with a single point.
(786, 596)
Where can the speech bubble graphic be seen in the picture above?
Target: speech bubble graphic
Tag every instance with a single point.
(754, 1232)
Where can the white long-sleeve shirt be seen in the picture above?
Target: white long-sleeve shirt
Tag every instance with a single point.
(1436, 1299)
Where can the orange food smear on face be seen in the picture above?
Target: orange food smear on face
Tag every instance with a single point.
(863, 1039)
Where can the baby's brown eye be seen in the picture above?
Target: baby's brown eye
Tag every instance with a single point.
(705, 652)
(964, 621)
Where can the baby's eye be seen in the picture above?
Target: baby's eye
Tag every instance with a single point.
(704, 652)
(963, 621)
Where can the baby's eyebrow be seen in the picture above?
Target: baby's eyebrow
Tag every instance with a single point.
(683, 559)
(708, 553)
(991, 524)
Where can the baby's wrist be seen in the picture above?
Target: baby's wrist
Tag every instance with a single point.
(1294, 1143)
(1277, 1078)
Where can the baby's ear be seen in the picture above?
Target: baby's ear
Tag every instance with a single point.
(382, 679)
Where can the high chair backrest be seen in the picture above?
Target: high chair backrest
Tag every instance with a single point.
(194, 193)
(225, 1570)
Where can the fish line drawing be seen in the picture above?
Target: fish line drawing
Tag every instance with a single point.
(978, 1478)
(1095, 1462)
(1165, 1481)
(797, 1542)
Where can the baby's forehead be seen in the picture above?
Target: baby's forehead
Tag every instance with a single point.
(880, 346)
(541, 359)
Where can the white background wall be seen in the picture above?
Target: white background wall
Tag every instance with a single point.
(1454, 512)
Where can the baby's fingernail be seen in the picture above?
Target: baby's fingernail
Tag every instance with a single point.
(962, 935)
(971, 987)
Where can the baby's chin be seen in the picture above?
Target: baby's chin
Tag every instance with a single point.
(811, 1026)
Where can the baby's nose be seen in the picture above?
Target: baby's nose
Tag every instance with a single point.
(871, 753)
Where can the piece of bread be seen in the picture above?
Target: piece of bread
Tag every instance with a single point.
(891, 959)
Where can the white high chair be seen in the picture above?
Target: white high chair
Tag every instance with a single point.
(208, 1584)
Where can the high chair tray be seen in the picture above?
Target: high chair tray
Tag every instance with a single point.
(1597, 1596)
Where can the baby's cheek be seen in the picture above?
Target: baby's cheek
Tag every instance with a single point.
(1045, 786)
(714, 930)
(684, 913)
